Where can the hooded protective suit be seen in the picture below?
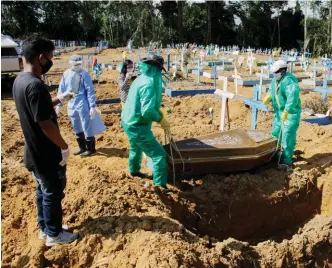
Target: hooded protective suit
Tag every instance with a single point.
(81, 84)
(286, 98)
(140, 110)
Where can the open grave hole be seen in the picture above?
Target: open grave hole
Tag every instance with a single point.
(249, 207)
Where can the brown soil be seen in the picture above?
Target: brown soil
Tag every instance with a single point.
(263, 218)
(190, 84)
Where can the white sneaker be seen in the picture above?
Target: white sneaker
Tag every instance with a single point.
(64, 237)
(42, 235)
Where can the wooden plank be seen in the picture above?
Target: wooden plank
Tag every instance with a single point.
(210, 63)
(248, 83)
(188, 92)
(309, 82)
(108, 101)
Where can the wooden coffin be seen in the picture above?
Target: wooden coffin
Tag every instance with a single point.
(228, 151)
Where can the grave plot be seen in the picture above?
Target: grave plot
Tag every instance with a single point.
(226, 74)
(218, 63)
(250, 80)
(188, 88)
(310, 79)
(244, 79)
(225, 68)
(211, 72)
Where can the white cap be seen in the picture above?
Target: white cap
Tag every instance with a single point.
(277, 65)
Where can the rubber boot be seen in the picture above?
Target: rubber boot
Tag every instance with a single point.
(81, 145)
(90, 147)
(140, 175)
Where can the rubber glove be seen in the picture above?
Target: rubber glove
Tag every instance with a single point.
(93, 112)
(267, 99)
(129, 75)
(66, 96)
(65, 156)
(57, 110)
(164, 123)
(284, 116)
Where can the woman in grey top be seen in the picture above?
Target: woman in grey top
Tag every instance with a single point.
(125, 79)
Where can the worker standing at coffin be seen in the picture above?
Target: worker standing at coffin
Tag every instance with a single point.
(140, 110)
(284, 93)
(82, 111)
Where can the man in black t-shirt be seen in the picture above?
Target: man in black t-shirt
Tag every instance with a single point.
(45, 151)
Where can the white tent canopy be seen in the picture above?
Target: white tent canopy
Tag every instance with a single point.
(7, 41)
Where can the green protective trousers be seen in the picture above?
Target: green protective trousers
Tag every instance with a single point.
(140, 110)
(286, 98)
(141, 140)
(288, 134)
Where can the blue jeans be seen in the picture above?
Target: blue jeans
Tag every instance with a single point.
(49, 193)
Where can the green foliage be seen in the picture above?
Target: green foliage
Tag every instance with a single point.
(263, 23)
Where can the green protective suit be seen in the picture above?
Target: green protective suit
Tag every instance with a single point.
(286, 97)
(140, 110)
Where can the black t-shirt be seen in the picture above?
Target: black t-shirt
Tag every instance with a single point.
(34, 104)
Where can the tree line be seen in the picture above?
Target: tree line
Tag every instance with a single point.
(265, 24)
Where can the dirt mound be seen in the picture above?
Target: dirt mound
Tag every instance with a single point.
(316, 105)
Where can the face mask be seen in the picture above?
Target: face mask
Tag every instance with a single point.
(47, 66)
(277, 76)
(77, 68)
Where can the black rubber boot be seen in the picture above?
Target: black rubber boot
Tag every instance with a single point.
(81, 145)
(140, 175)
(90, 147)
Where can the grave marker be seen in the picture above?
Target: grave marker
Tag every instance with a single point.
(224, 103)
(324, 90)
(236, 77)
(256, 105)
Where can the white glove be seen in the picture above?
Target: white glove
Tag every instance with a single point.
(93, 112)
(129, 75)
(66, 96)
(57, 110)
(65, 156)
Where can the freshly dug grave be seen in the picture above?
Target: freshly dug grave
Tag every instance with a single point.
(270, 203)
(284, 219)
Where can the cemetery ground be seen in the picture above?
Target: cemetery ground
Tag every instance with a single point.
(262, 218)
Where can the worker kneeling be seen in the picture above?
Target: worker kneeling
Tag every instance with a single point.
(140, 110)
(82, 111)
(284, 92)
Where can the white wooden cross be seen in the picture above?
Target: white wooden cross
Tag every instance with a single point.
(202, 53)
(236, 77)
(224, 102)
(240, 61)
(250, 61)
